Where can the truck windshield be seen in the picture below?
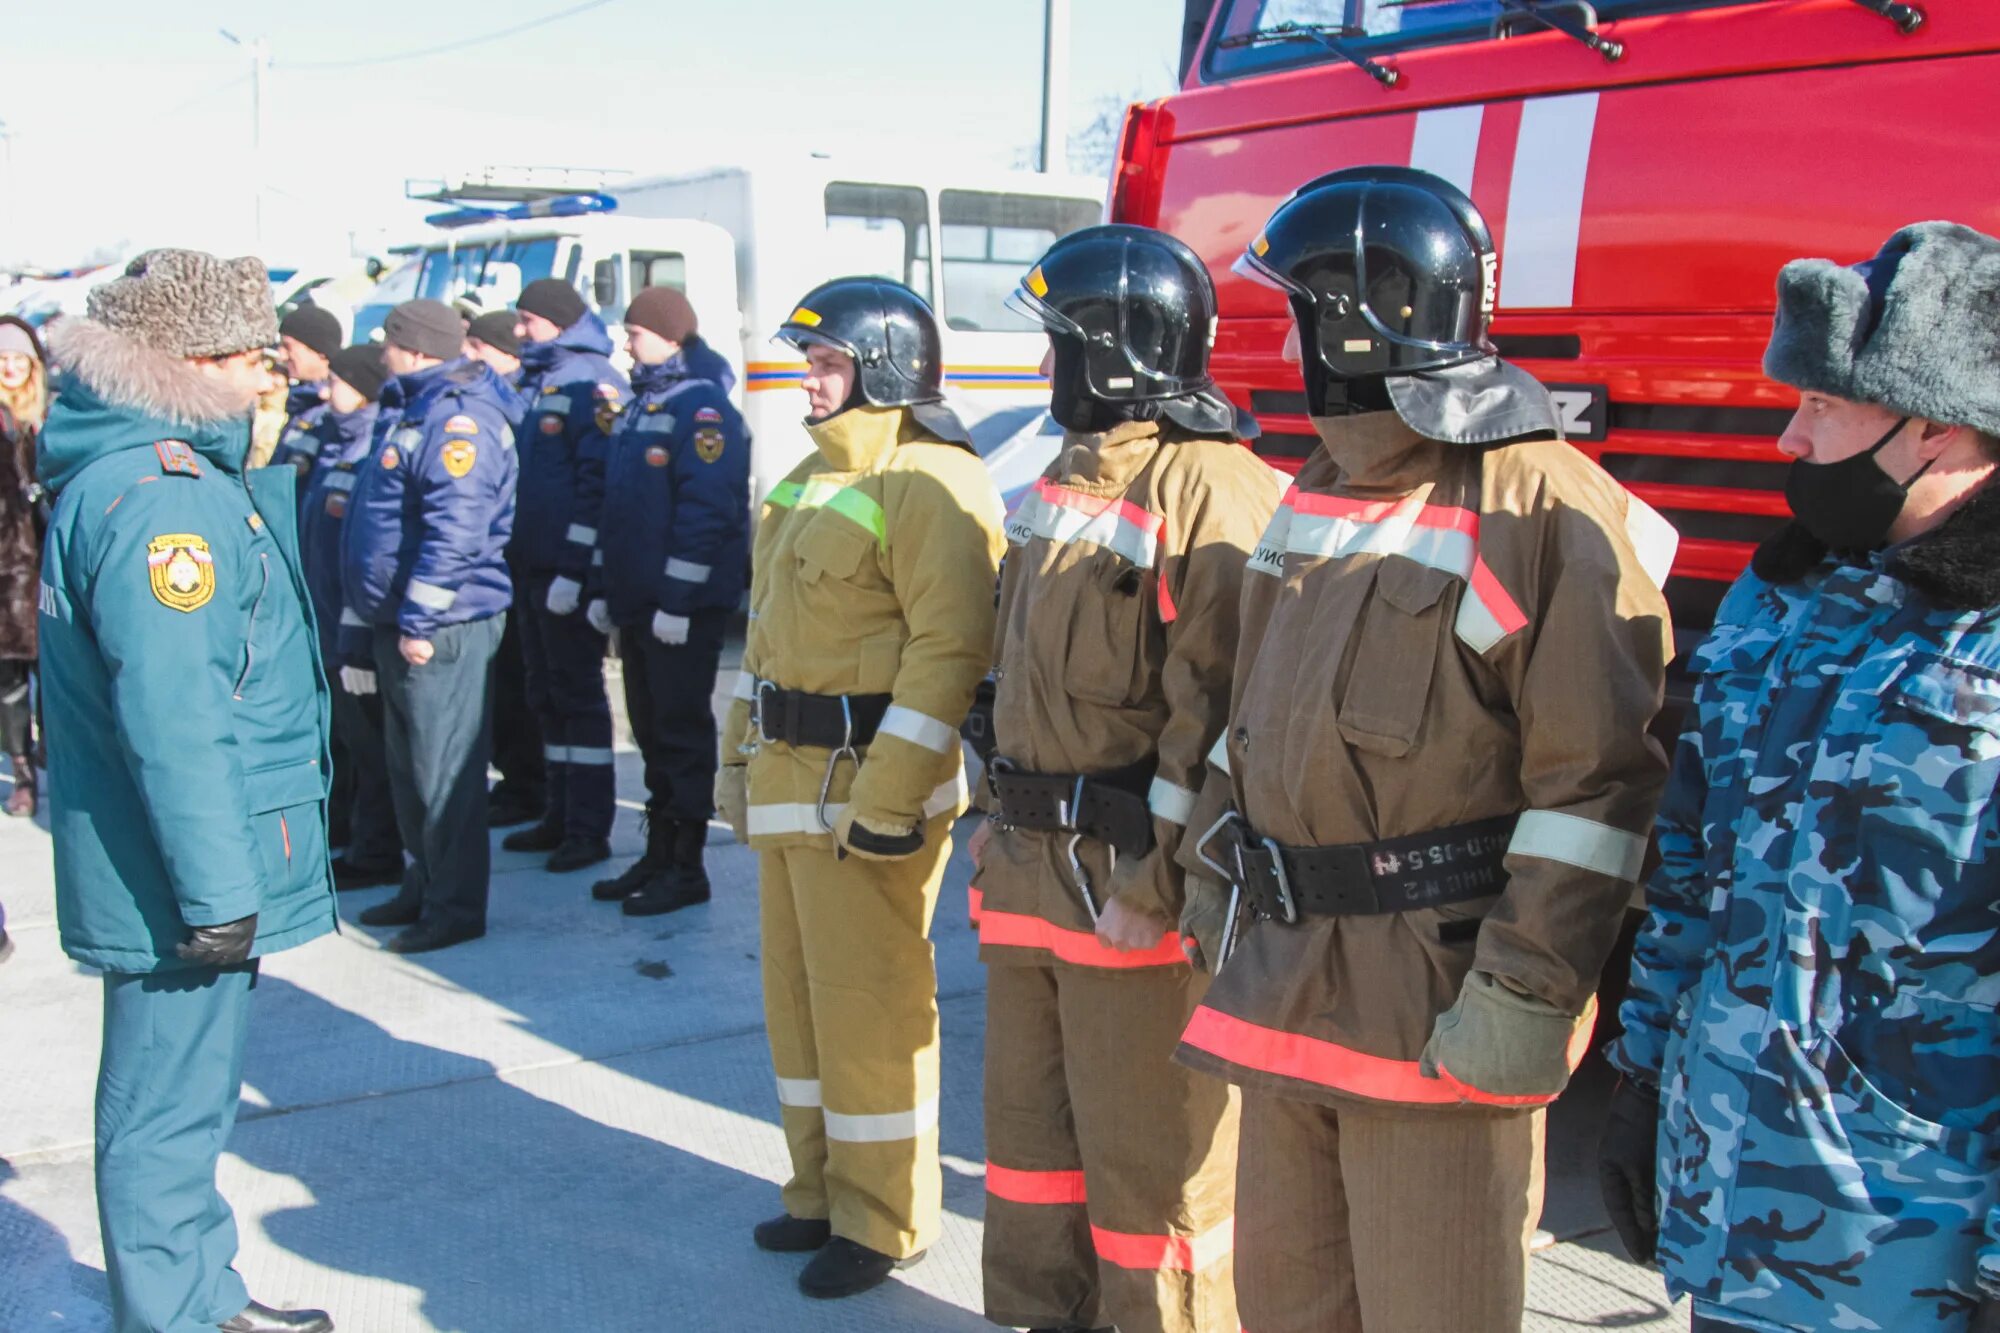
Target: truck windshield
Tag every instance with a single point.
(1378, 27)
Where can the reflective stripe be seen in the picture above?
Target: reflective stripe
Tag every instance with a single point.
(1170, 801)
(1218, 753)
(1487, 614)
(890, 1127)
(551, 404)
(803, 816)
(687, 571)
(1051, 1187)
(347, 617)
(1011, 930)
(339, 481)
(655, 423)
(597, 559)
(975, 900)
(1545, 201)
(556, 754)
(822, 494)
(430, 596)
(1447, 143)
(918, 729)
(800, 1092)
(1268, 556)
(1584, 843)
(1063, 516)
(581, 535)
(1178, 1254)
(597, 756)
(1654, 540)
(746, 686)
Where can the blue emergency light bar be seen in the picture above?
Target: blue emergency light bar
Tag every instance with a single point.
(558, 206)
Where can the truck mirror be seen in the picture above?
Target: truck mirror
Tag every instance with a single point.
(604, 283)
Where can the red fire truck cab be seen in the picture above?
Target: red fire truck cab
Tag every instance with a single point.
(1646, 167)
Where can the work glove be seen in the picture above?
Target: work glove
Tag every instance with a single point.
(670, 630)
(1628, 1164)
(564, 595)
(599, 615)
(876, 840)
(732, 799)
(220, 946)
(1204, 918)
(357, 680)
(1500, 1042)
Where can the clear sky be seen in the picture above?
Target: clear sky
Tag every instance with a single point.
(130, 120)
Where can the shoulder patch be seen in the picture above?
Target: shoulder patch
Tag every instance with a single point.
(390, 458)
(656, 455)
(180, 570)
(461, 425)
(178, 457)
(708, 443)
(607, 392)
(458, 457)
(708, 415)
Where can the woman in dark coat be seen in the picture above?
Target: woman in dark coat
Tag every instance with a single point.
(23, 405)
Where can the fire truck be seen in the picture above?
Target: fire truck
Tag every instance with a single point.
(1646, 167)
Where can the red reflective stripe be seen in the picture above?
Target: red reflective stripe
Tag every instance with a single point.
(1014, 931)
(1375, 511)
(1004, 1182)
(286, 830)
(1486, 587)
(1180, 1254)
(1169, 613)
(973, 899)
(1140, 518)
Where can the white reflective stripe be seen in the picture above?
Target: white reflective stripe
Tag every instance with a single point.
(1269, 555)
(949, 797)
(597, 559)
(1399, 532)
(803, 817)
(1170, 801)
(1219, 753)
(802, 1092)
(556, 754)
(430, 596)
(917, 728)
(746, 686)
(339, 481)
(581, 535)
(1064, 516)
(1654, 540)
(1476, 624)
(1447, 143)
(552, 403)
(889, 1128)
(687, 571)
(1545, 201)
(1579, 842)
(655, 423)
(590, 754)
(347, 617)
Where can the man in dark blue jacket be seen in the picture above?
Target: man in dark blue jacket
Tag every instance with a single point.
(423, 571)
(573, 395)
(308, 337)
(672, 549)
(187, 753)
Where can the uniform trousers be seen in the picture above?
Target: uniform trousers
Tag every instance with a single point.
(361, 783)
(669, 691)
(1111, 1170)
(17, 709)
(850, 1003)
(1356, 1219)
(517, 735)
(436, 734)
(565, 677)
(168, 1080)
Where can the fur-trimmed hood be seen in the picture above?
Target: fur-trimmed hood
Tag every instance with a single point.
(1956, 564)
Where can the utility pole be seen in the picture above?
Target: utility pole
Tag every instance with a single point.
(260, 72)
(1055, 85)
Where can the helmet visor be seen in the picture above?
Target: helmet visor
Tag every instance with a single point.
(1030, 299)
(797, 338)
(1251, 264)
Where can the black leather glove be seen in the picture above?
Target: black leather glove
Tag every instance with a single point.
(220, 946)
(1986, 1319)
(1628, 1165)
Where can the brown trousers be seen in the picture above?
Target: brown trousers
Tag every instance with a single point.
(1380, 1220)
(1111, 1170)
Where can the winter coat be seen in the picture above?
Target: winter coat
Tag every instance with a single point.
(306, 406)
(343, 443)
(572, 395)
(1434, 635)
(873, 574)
(674, 535)
(1814, 991)
(186, 710)
(1117, 637)
(20, 539)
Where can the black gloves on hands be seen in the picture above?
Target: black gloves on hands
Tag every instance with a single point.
(220, 946)
(1628, 1167)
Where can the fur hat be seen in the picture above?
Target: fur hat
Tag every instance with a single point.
(1915, 329)
(189, 304)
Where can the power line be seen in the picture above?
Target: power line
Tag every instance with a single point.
(448, 47)
(201, 96)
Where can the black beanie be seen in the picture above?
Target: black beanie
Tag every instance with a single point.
(316, 328)
(552, 299)
(360, 366)
(428, 328)
(496, 330)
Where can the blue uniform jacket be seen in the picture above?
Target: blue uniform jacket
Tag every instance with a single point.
(1814, 990)
(572, 394)
(344, 443)
(186, 710)
(676, 525)
(427, 525)
(305, 407)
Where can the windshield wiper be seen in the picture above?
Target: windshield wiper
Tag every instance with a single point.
(1326, 35)
(1549, 16)
(1906, 17)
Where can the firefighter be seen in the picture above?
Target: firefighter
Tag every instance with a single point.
(872, 621)
(672, 551)
(572, 396)
(1434, 790)
(1111, 1171)
(307, 338)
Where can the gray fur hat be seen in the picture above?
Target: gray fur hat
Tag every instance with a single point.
(1915, 329)
(188, 304)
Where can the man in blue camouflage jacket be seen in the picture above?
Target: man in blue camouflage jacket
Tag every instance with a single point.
(1808, 1134)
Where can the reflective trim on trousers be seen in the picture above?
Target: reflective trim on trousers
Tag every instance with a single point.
(1012, 930)
(801, 1093)
(1041, 1187)
(1179, 1254)
(889, 1127)
(581, 535)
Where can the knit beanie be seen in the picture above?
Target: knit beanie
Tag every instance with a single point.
(361, 368)
(316, 328)
(428, 328)
(664, 311)
(552, 299)
(496, 330)
(189, 304)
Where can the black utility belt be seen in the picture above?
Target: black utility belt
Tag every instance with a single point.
(828, 721)
(1109, 807)
(1446, 865)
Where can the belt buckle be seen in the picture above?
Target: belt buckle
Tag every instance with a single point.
(765, 689)
(1287, 904)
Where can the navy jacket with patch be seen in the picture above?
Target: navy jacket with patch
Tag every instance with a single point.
(305, 407)
(344, 440)
(564, 383)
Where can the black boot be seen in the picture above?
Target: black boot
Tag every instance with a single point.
(657, 856)
(260, 1318)
(786, 1234)
(506, 807)
(545, 836)
(848, 1268)
(574, 853)
(684, 882)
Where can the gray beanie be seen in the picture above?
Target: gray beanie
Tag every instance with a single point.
(189, 304)
(428, 328)
(1915, 329)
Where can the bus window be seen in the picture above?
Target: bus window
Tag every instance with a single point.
(655, 268)
(882, 229)
(988, 241)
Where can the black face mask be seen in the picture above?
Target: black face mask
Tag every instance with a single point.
(1851, 504)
